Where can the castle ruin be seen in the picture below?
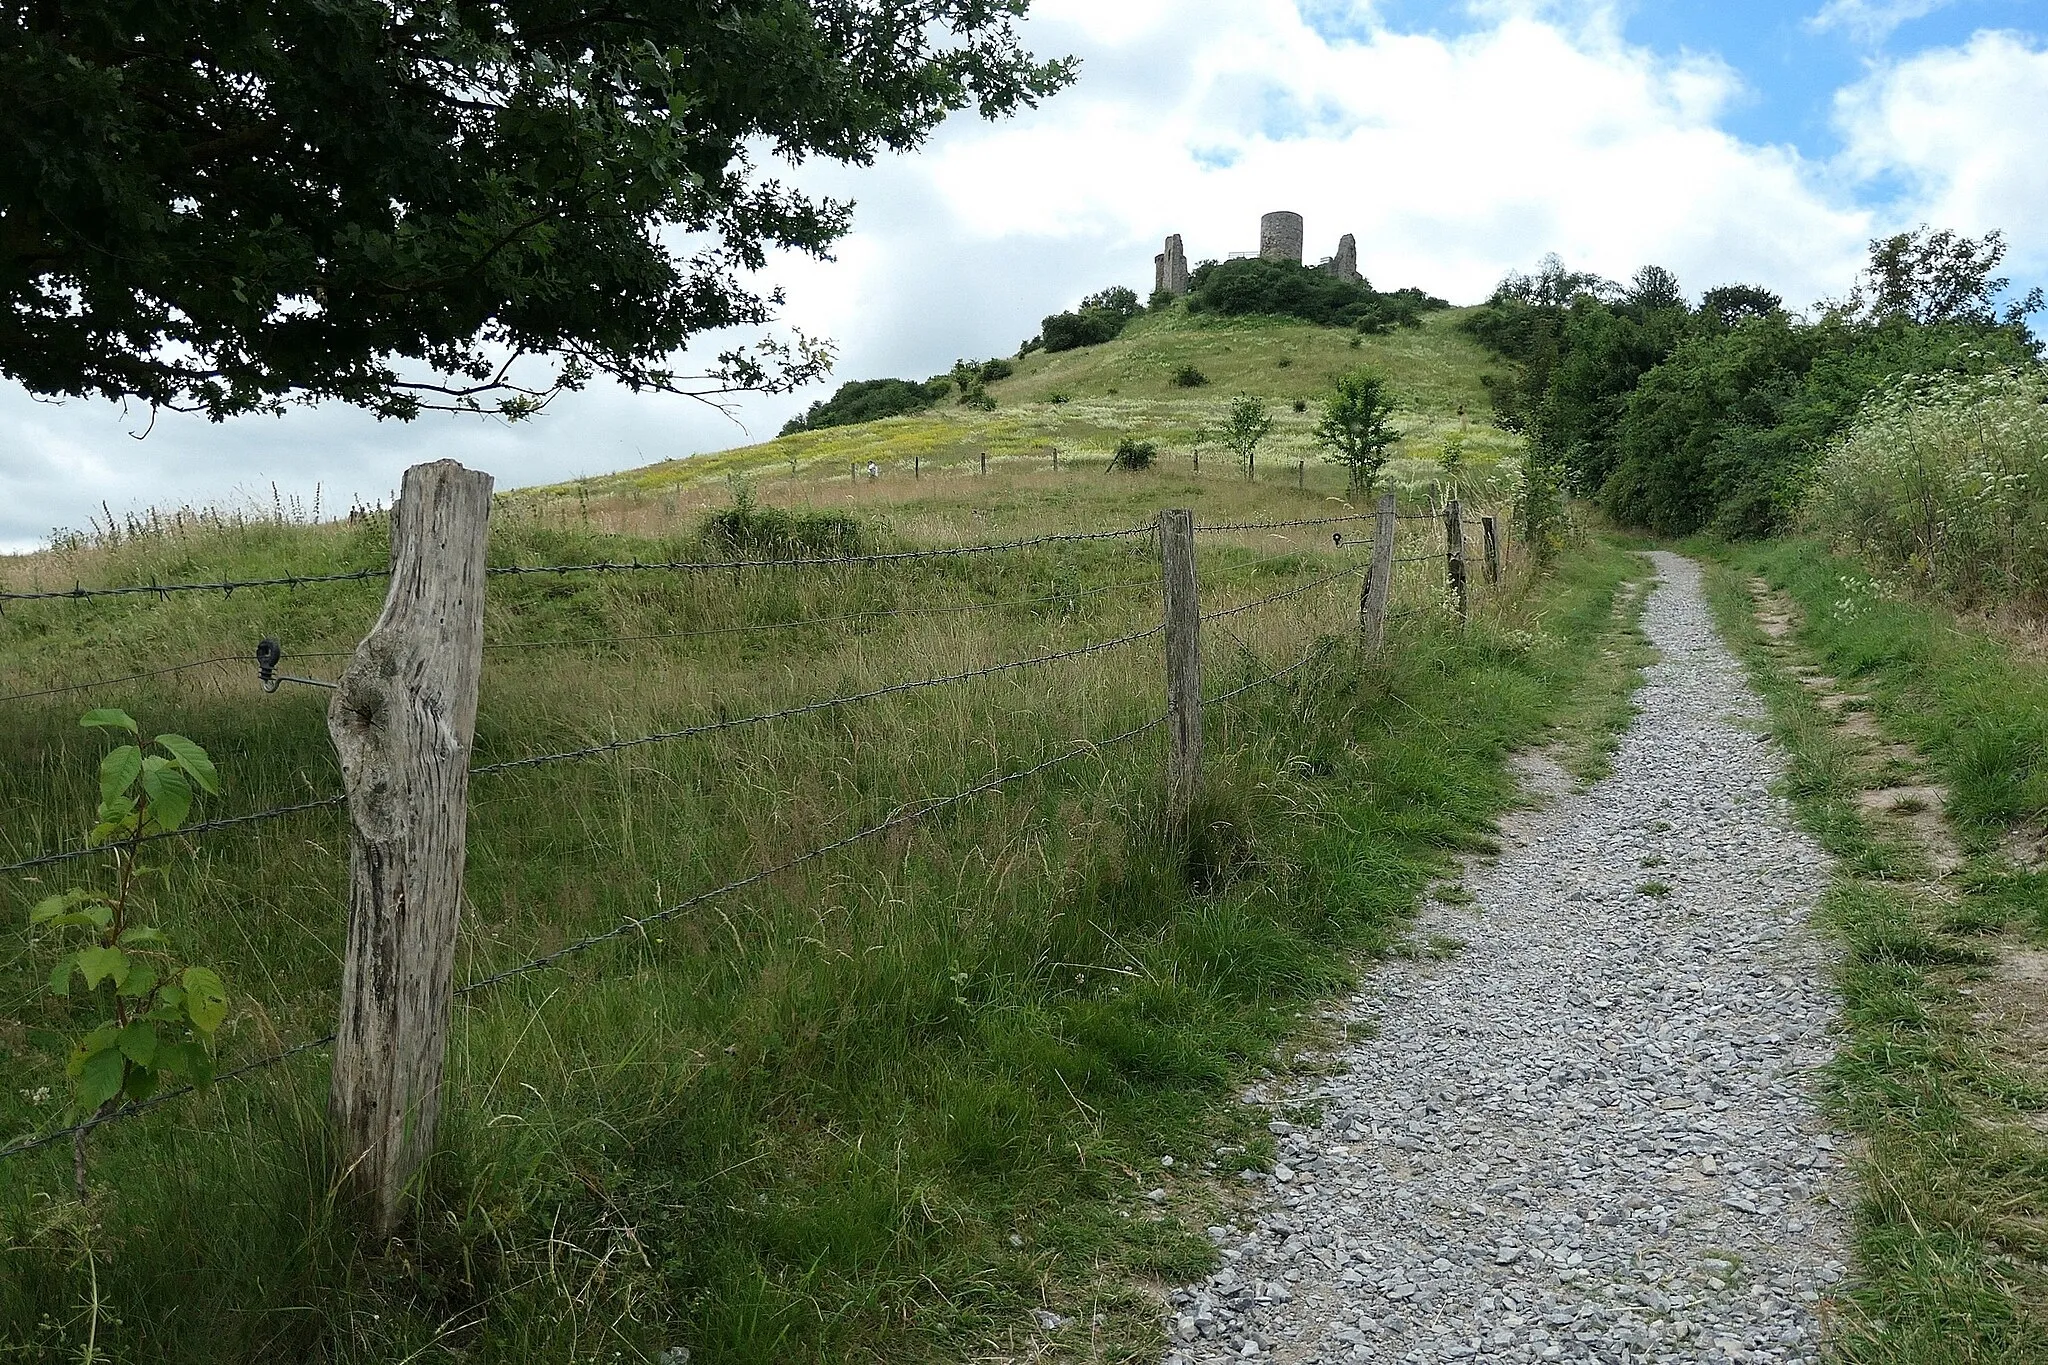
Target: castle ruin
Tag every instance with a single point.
(1280, 239)
(1170, 268)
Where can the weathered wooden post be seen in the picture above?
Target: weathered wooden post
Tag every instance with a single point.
(984, 462)
(1055, 459)
(917, 466)
(1301, 473)
(402, 720)
(852, 472)
(1454, 556)
(1491, 528)
(1183, 663)
(1379, 579)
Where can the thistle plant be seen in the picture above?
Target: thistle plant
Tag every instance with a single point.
(156, 1019)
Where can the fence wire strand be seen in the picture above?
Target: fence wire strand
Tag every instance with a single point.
(1346, 572)
(125, 678)
(805, 708)
(903, 816)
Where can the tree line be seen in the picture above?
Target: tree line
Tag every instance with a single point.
(1716, 416)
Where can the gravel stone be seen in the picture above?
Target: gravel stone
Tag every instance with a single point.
(1591, 1134)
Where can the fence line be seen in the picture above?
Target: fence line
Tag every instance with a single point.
(1281, 525)
(230, 586)
(163, 591)
(130, 677)
(917, 811)
(1345, 572)
(904, 814)
(805, 708)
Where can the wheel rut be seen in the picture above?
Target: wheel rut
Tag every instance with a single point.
(1589, 1133)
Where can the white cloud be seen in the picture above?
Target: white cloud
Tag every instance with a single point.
(1453, 159)
(1965, 130)
(1871, 22)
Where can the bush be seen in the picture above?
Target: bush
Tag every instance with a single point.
(1188, 377)
(866, 400)
(1132, 453)
(1254, 287)
(747, 530)
(1101, 317)
(1945, 480)
(972, 378)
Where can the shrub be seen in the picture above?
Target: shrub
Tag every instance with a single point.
(1101, 317)
(972, 378)
(1945, 480)
(747, 530)
(1301, 405)
(1188, 377)
(1059, 396)
(866, 400)
(1253, 286)
(1354, 430)
(1132, 453)
(1249, 423)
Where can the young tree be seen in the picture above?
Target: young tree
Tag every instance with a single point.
(473, 206)
(1354, 430)
(1249, 423)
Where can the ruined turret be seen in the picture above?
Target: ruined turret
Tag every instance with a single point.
(1280, 237)
(1170, 268)
(1345, 266)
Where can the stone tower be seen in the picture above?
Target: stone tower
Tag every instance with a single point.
(1280, 237)
(1345, 267)
(1170, 268)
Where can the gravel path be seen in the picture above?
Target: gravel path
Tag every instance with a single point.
(1589, 1134)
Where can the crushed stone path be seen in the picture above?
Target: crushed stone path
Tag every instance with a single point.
(1591, 1133)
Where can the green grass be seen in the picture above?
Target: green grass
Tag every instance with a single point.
(1953, 1221)
(1126, 387)
(875, 1109)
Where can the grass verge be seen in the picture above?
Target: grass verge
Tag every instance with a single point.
(1953, 1219)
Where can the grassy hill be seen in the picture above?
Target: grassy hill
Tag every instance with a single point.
(1083, 401)
(882, 1105)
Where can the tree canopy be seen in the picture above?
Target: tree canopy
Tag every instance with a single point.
(1680, 419)
(226, 208)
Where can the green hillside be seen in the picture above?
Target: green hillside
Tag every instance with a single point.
(1083, 401)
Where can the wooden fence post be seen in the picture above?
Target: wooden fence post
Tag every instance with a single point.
(1454, 556)
(852, 472)
(1055, 459)
(917, 466)
(1492, 531)
(1301, 473)
(402, 720)
(984, 462)
(1183, 663)
(1379, 579)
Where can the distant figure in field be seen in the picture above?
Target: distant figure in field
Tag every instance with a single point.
(874, 470)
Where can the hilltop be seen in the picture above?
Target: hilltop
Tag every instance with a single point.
(1083, 401)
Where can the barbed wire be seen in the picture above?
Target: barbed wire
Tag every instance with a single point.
(231, 586)
(709, 727)
(135, 1108)
(951, 609)
(125, 678)
(201, 827)
(225, 587)
(917, 811)
(1346, 572)
(589, 751)
(831, 561)
(1282, 525)
(1272, 677)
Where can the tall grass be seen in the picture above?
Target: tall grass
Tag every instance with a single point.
(870, 1109)
(1944, 481)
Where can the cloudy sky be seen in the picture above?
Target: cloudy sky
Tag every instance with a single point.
(1763, 141)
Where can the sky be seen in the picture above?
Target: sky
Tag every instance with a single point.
(1759, 141)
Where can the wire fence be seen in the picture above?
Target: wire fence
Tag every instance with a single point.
(908, 813)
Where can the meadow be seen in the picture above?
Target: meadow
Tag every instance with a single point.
(895, 1103)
